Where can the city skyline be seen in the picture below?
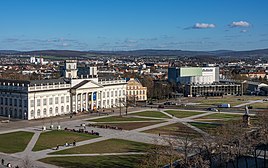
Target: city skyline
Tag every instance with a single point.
(132, 25)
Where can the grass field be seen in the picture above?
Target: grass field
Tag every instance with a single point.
(108, 146)
(207, 127)
(130, 125)
(182, 114)
(260, 105)
(15, 141)
(221, 116)
(177, 129)
(118, 118)
(156, 114)
(50, 139)
(233, 100)
(126, 161)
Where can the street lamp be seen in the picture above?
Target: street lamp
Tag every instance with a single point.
(24, 115)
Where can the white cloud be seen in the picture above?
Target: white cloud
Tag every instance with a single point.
(240, 24)
(203, 26)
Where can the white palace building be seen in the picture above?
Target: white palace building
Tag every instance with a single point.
(44, 98)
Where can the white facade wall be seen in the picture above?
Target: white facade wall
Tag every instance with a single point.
(209, 73)
(70, 69)
(112, 96)
(40, 105)
(45, 100)
(208, 77)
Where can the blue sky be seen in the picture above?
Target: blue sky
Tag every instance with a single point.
(133, 24)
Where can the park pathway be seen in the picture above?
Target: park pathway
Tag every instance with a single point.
(134, 135)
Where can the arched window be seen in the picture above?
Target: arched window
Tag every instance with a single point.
(67, 109)
(20, 114)
(15, 113)
(56, 110)
(32, 113)
(116, 102)
(44, 111)
(69, 67)
(2, 111)
(50, 110)
(6, 112)
(38, 112)
(62, 109)
(11, 112)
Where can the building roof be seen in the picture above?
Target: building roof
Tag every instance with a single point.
(36, 82)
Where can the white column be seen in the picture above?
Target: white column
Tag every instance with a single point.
(97, 99)
(101, 105)
(76, 102)
(91, 100)
(86, 101)
(41, 106)
(81, 102)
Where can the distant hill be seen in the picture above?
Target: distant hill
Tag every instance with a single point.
(220, 52)
(148, 52)
(151, 52)
(8, 52)
(59, 53)
(250, 53)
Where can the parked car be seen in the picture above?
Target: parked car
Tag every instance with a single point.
(212, 109)
(224, 105)
(167, 103)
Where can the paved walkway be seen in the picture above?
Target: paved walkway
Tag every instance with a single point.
(134, 135)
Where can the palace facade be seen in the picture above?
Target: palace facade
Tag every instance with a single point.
(70, 94)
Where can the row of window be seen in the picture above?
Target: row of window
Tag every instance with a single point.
(113, 102)
(13, 113)
(136, 92)
(112, 93)
(12, 102)
(134, 87)
(50, 111)
(50, 101)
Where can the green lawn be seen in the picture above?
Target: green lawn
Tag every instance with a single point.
(177, 129)
(260, 105)
(221, 116)
(207, 127)
(126, 161)
(233, 100)
(15, 141)
(156, 114)
(182, 114)
(118, 118)
(130, 125)
(50, 139)
(108, 146)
